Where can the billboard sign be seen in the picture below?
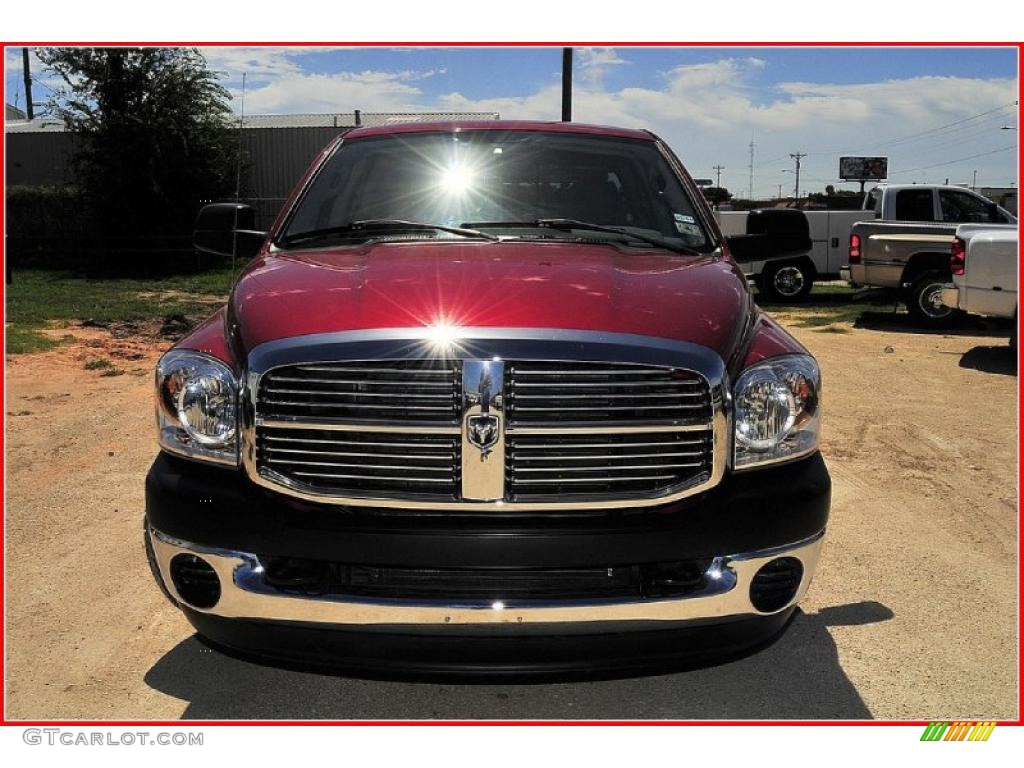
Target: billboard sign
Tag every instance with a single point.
(863, 168)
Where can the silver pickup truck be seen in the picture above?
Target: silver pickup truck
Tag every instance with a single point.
(983, 261)
(906, 245)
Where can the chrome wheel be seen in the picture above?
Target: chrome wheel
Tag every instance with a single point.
(930, 301)
(789, 281)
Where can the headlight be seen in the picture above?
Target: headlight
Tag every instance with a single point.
(197, 407)
(776, 411)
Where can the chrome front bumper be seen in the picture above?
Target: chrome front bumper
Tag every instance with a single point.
(246, 595)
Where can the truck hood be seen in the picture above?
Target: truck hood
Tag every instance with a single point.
(594, 287)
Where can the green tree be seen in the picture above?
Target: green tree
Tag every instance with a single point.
(717, 195)
(153, 139)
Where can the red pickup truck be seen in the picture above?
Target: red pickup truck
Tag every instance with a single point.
(489, 398)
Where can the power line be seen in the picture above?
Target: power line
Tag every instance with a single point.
(955, 122)
(897, 140)
(951, 162)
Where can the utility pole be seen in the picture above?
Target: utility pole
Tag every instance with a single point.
(566, 85)
(780, 193)
(974, 184)
(750, 190)
(718, 175)
(798, 156)
(28, 84)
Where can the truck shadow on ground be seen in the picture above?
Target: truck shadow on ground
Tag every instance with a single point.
(900, 322)
(991, 359)
(799, 676)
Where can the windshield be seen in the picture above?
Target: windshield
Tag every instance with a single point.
(504, 183)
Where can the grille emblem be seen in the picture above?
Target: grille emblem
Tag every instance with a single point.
(483, 430)
(482, 433)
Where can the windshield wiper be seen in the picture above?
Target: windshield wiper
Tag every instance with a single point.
(659, 242)
(570, 224)
(382, 225)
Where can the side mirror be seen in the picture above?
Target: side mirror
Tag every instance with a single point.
(772, 233)
(227, 229)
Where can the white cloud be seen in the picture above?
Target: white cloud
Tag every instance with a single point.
(341, 92)
(593, 63)
(709, 112)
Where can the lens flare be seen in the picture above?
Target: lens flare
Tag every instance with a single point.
(457, 179)
(443, 336)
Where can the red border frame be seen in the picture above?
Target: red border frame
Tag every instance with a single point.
(502, 44)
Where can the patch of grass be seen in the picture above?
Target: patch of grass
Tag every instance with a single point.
(39, 299)
(833, 307)
(832, 329)
(98, 364)
(21, 340)
(112, 372)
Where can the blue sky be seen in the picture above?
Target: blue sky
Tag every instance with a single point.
(708, 103)
(472, 71)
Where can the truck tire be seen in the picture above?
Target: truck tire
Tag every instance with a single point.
(786, 281)
(924, 301)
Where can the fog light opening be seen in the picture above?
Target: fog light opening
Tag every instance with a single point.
(775, 584)
(195, 581)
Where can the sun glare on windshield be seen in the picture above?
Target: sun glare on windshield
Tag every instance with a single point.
(457, 179)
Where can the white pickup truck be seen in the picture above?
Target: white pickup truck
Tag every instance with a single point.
(792, 279)
(984, 265)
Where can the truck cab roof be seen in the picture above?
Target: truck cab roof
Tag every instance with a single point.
(499, 125)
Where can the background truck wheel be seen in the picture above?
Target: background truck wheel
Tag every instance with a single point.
(924, 302)
(788, 281)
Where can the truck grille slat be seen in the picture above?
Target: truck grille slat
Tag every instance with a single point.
(603, 468)
(666, 406)
(574, 431)
(618, 396)
(382, 478)
(338, 393)
(348, 465)
(311, 452)
(611, 456)
(360, 382)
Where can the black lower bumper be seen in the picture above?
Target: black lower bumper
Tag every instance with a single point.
(448, 655)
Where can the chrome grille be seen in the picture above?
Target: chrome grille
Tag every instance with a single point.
(605, 465)
(393, 428)
(384, 391)
(344, 462)
(601, 393)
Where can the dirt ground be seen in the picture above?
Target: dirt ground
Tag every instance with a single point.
(913, 613)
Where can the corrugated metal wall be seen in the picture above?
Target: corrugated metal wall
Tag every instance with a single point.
(275, 157)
